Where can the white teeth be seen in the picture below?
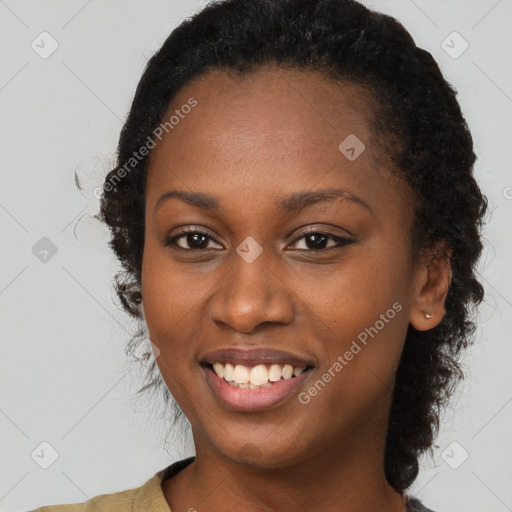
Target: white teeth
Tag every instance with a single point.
(297, 371)
(219, 369)
(275, 372)
(287, 371)
(228, 372)
(257, 377)
(241, 374)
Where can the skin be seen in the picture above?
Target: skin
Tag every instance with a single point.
(250, 141)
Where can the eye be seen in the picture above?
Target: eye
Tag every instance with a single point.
(317, 241)
(196, 239)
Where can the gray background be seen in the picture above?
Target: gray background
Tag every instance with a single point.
(65, 378)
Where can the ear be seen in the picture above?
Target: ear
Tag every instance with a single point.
(432, 279)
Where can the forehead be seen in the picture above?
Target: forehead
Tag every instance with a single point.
(268, 130)
(273, 106)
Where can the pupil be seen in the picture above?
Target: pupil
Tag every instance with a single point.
(318, 240)
(195, 236)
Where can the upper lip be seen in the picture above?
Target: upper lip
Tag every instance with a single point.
(255, 356)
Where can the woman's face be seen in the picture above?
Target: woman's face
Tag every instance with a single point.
(255, 162)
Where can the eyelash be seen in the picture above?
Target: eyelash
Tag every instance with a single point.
(341, 242)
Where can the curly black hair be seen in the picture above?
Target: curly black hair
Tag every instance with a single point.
(425, 139)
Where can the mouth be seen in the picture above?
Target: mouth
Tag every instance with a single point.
(255, 377)
(251, 381)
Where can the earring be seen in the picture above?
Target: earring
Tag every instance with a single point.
(428, 315)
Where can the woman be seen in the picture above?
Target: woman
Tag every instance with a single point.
(296, 214)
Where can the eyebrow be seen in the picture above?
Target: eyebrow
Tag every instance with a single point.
(293, 202)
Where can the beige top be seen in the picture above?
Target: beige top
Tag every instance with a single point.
(149, 497)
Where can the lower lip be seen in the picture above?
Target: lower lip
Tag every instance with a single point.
(253, 400)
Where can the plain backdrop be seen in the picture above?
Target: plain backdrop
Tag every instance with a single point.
(65, 379)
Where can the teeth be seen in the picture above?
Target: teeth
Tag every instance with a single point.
(219, 369)
(228, 371)
(241, 374)
(297, 371)
(257, 377)
(287, 371)
(275, 372)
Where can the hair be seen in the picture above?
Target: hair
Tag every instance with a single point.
(414, 112)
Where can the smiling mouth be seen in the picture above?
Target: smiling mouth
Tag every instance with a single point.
(255, 377)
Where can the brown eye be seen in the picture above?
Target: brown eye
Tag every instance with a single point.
(195, 239)
(318, 240)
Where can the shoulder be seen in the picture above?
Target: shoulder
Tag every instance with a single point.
(148, 496)
(415, 505)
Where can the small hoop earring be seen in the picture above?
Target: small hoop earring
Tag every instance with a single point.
(428, 315)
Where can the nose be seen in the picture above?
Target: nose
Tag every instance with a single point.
(250, 295)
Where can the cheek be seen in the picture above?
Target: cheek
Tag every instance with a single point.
(167, 307)
(346, 297)
(170, 290)
(169, 303)
(359, 312)
(353, 293)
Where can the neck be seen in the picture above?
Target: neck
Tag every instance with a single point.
(350, 478)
